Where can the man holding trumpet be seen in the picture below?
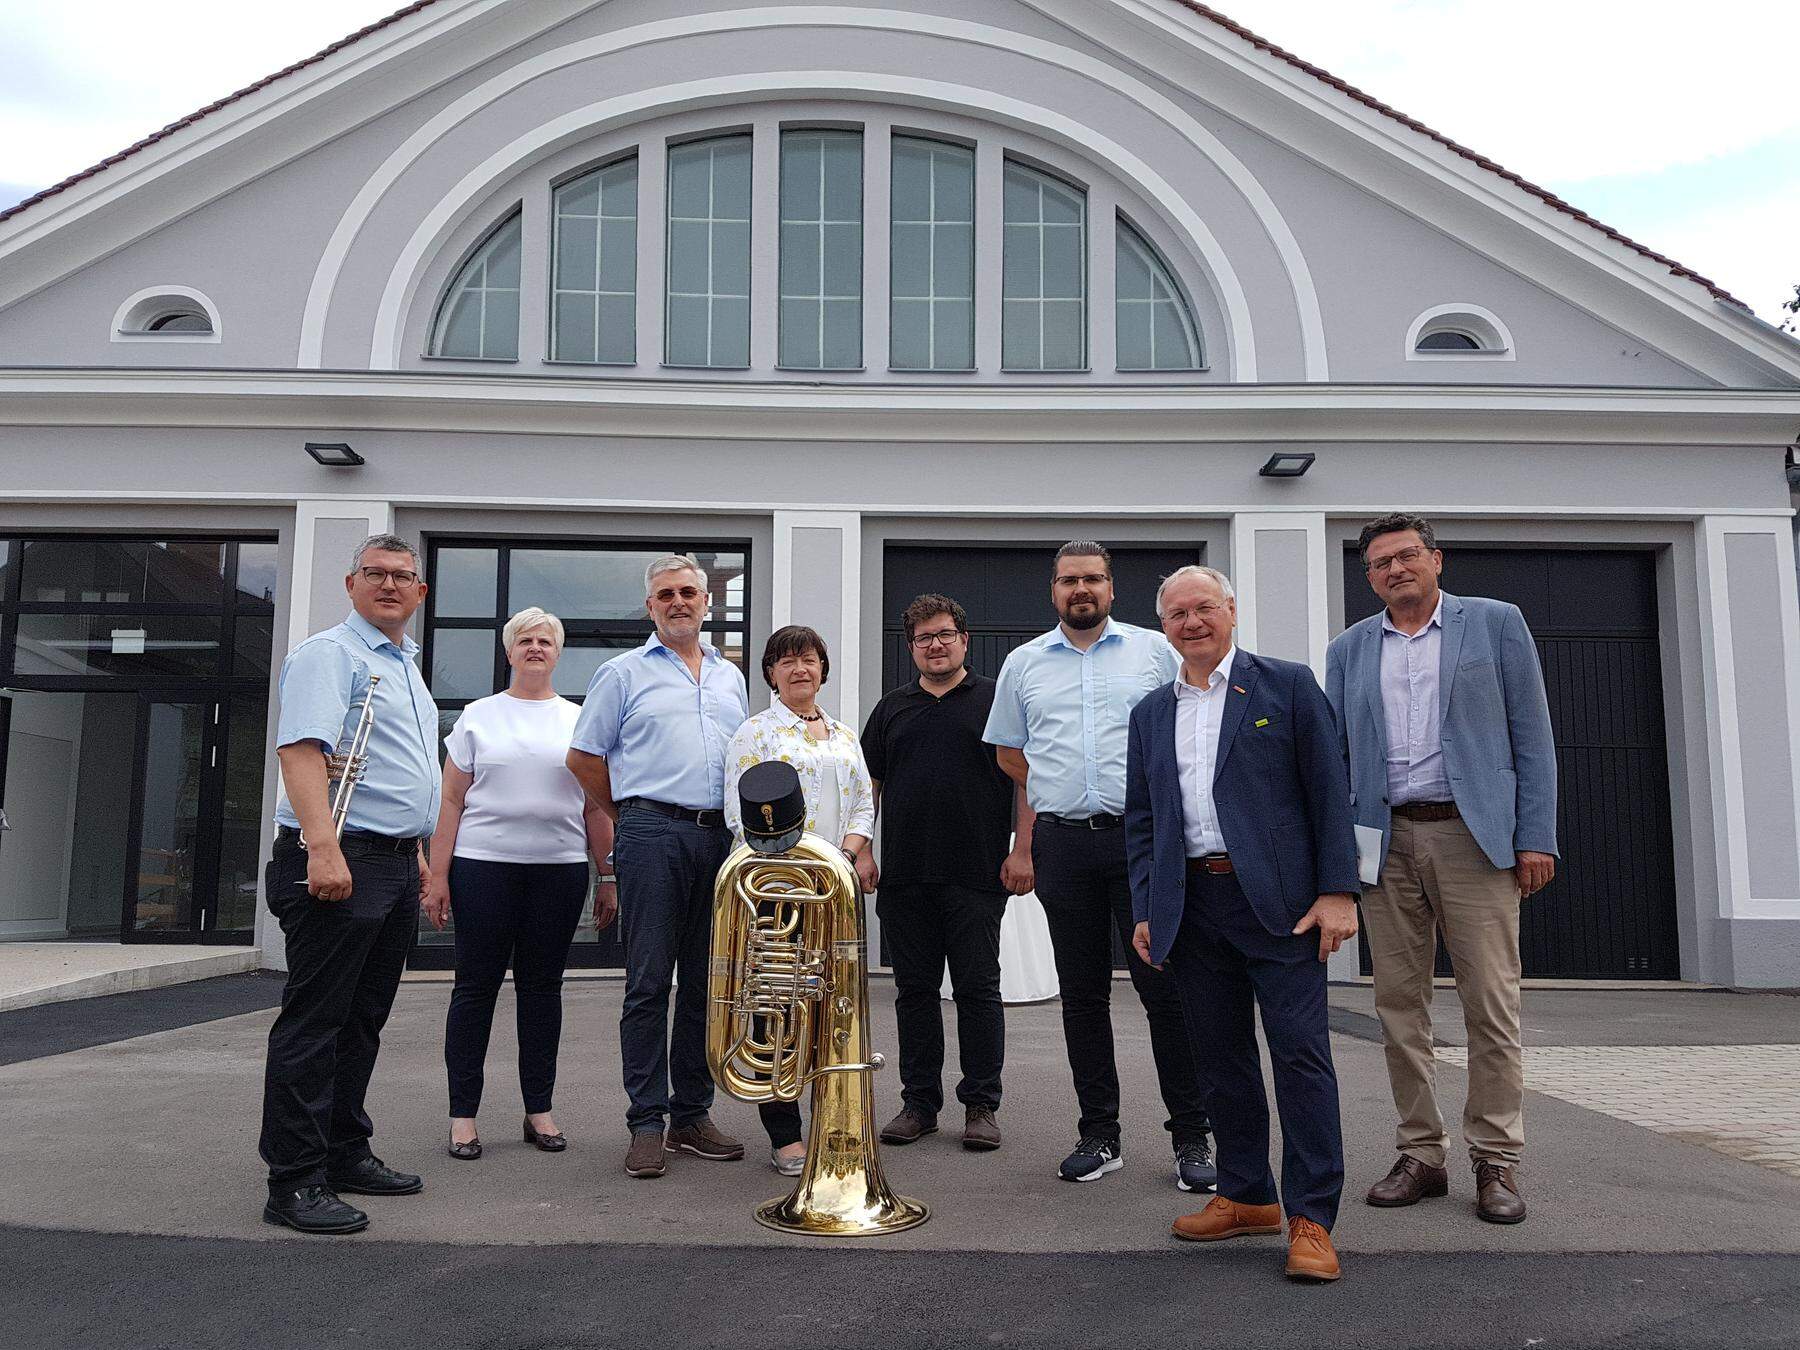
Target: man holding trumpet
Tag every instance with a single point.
(343, 881)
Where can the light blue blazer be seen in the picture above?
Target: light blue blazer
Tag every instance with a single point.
(1495, 722)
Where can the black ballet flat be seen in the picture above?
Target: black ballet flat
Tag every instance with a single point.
(468, 1152)
(549, 1143)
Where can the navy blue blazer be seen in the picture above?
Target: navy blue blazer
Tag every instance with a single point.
(1279, 785)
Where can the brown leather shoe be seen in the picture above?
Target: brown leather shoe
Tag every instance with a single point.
(981, 1132)
(1310, 1253)
(645, 1158)
(909, 1127)
(1497, 1197)
(1224, 1218)
(704, 1139)
(1409, 1182)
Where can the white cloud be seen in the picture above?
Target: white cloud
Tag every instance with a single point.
(1560, 89)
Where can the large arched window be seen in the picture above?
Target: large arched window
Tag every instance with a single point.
(1155, 329)
(478, 319)
(1043, 322)
(594, 272)
(932, 267)
(708, 321)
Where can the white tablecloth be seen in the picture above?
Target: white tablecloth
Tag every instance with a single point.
(1027, 967)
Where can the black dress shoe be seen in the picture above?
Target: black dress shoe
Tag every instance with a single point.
(466, 1152)
(371, 1176)
(314, 1209)
(550, 1143)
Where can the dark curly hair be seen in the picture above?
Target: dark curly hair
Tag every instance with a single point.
(930, 605)
(794, 640)
(1394, 523)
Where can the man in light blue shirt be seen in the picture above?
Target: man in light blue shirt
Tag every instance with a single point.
(649, 748)
(1062, 709)
(348, 908)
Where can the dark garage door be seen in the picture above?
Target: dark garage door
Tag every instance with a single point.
(1006, 592)
(1610, 913)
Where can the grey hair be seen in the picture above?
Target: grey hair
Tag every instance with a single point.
(673, 562)
(526, 620)
(1195, 570)
(386, 543)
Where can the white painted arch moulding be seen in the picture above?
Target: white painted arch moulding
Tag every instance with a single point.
(1498, 339)
(123, 315)
(1281, 236)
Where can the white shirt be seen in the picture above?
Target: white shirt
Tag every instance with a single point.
(524, 805)
(1409, 705)
(1198, 714)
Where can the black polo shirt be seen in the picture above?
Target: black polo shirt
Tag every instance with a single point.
(946, 805)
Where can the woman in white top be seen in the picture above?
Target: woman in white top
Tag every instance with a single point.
(518, 833)
(840, 797)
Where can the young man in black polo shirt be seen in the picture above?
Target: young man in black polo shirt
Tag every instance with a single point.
(947, 814)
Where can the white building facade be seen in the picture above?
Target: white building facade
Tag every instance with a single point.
(857, 300)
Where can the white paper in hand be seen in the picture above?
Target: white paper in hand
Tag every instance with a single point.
(1368, 854)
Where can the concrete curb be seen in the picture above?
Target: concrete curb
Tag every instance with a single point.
(227, 961)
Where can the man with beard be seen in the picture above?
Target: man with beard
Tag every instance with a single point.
(1061, 709)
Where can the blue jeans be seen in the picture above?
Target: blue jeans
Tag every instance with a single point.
(666, 869)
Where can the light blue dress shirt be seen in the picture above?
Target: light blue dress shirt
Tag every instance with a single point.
(1070, 710)
(1409, 704)
(662, 733)
(323, 682)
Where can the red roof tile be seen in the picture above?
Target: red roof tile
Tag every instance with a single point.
(1204, 11)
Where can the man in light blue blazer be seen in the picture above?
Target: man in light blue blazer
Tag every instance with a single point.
(1441, 709)
(1243, 877)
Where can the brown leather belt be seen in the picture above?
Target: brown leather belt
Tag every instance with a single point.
(1427, 810)
(1214, 864)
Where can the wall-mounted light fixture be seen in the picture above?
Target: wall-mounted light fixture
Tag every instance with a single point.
(1288, 464)
(334, 454)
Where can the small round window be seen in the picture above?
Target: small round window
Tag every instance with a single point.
(166, 314)
(1458, 329)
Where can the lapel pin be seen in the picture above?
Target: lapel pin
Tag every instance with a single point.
(1239, 689)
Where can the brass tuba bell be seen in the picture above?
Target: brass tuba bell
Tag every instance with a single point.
(788, 1006)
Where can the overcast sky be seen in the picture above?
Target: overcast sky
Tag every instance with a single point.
(1676, 122)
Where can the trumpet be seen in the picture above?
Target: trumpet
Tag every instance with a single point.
(788, 1008)
(347, 765)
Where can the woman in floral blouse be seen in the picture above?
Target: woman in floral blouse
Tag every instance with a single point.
(840, 798)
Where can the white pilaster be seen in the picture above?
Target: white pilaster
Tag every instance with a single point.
(817, 581)
(1270, 596)
(1748, 813)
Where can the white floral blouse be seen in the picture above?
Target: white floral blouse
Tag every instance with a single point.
(840, 798)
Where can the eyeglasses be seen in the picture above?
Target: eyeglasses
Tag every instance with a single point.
(944, 637)
(1207, 613)
(1090, 580)
(669, 593)
(378, 576)
(1406, 557)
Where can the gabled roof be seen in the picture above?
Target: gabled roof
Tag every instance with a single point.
(1205, 11)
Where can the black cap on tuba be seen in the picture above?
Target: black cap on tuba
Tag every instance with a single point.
(772, 806)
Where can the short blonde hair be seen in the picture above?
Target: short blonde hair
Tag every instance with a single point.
(526, 620)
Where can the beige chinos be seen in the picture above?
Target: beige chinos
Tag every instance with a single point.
(1437, 878)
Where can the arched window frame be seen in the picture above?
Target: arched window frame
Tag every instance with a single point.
(134, 319)
(458, 285)
(600, 293)
(1014, 231)
(1125, 230)
(1494, 341)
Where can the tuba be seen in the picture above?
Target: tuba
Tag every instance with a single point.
(788, 1007)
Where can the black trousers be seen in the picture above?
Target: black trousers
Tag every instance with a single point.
(522, 915)
(344, 963)
(1086, 894)
(1227, 965)
(927, 927)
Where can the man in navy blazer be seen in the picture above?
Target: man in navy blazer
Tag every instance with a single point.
(1243, 877)
(1447, 733)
